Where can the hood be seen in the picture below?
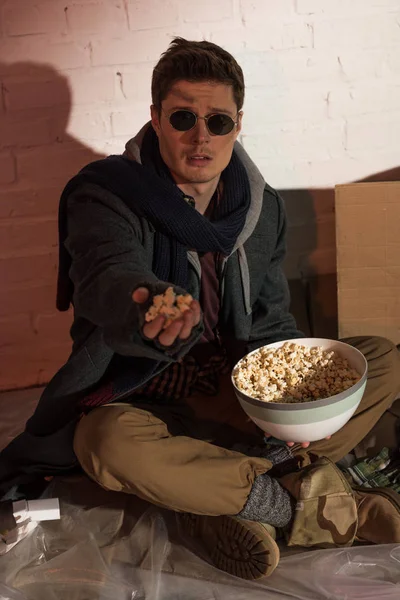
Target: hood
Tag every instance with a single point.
(257, 183)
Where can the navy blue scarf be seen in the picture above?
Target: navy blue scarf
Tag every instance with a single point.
(149, 191)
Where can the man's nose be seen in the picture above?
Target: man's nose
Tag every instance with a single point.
(200, 132)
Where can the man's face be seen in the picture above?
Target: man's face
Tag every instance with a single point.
(196, 156)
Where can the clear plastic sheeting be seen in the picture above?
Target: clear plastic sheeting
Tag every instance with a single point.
(126, 550)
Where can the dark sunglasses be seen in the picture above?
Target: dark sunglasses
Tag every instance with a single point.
(217, 123)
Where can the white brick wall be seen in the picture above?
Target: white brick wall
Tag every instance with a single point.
(322, 107)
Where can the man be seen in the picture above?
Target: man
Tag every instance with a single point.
(146, 407)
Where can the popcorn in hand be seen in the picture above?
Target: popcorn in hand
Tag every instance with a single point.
(170, 305)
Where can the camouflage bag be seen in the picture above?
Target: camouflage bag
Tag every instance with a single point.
(326, 512)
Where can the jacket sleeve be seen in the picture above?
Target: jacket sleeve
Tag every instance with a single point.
(272, 320)
(109, 261)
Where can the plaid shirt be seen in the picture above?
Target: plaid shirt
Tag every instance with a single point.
(177, 381)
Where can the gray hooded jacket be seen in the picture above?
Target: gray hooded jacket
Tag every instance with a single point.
(112, 251)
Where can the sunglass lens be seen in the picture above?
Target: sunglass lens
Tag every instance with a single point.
(220, 124)
(182, 120)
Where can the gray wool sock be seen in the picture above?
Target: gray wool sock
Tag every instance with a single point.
(268, 502)
(276, 453)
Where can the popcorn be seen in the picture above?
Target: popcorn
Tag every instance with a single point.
(294, 373)
(170, 305)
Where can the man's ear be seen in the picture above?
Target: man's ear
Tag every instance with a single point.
(239, 123)
(155, 118)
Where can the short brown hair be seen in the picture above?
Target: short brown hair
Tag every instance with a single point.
(195, 61)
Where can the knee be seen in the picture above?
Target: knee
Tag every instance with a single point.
(97, 433)
(385, 355)
(375, 347)
(382, 345)
(108, 451)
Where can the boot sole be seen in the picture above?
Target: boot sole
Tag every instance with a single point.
(239, 547)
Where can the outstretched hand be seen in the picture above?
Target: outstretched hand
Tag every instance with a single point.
(303, 444)
(180, 328)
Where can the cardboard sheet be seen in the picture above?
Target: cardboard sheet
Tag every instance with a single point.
(368, 259)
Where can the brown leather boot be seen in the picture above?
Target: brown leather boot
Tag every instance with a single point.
(378, 515)
(242, 548)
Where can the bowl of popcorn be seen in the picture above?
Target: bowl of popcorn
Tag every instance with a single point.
(301, 390)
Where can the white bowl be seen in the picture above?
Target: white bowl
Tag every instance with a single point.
(308, 421)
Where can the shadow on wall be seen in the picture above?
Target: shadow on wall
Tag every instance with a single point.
(37, 157)
(311, 257)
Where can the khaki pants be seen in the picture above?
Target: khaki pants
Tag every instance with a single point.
(178, 457)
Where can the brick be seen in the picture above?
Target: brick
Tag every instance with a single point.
(17, 236)
(64, 55)
(135, 82)
(360, 32)
(325, 233)
(39, 364)
(7, 168)
(21, 402)
(391, 65)
(138, 46)
(58, 162)
(233, 39)
(299, 65)
(53, 326)
(89, 125)
(24, 93)
(92, 86)
(320, 260)
(38, 202)
(15, 330)
(368, 64)
(383, 129)
(24, 299)
(269, 37)
(129, 123)
(342, 170)
(23, 18)
(97, 17)
(296, 103)
(300, 240)
(273, 37)
(363, 98)
(343, 7)
(30, 269)
(323, 202)
(69, 55)
(285, 174)
(298, 141)
(111, 146)
(256, 66)
(299, 206)
(205, 11)
(23, 132)
(254, 11)
(50, 90)
(146, 15)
